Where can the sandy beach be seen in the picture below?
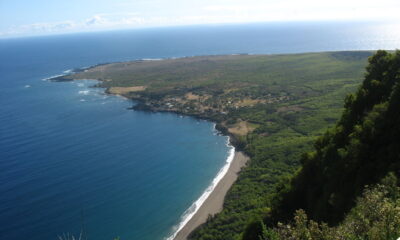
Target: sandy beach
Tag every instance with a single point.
(214, 203)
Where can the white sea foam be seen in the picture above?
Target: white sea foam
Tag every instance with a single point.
(51, 77)
(84, 92)
(27, 86)
(152, 59)
(194, 208)
(64, 73)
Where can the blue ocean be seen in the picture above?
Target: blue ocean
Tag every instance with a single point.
(73, 158)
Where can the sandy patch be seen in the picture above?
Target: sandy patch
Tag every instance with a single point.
(241, 128)
(247, 102)
(191, 96)
(125, 90)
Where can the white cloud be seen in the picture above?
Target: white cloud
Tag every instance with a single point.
(218, 11)
(97, 22)
(40, 28)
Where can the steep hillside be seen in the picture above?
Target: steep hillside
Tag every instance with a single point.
(360, 150)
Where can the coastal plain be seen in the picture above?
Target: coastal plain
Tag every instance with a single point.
(272, 106)
(219, 87)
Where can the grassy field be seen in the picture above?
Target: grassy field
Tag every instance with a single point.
(274, 106)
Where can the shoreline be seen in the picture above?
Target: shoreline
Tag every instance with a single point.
(212, 199)
(215, 102)
(213, 203)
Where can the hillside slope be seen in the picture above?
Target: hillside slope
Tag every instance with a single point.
(360, 150)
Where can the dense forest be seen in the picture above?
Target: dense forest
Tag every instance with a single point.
(331, 188)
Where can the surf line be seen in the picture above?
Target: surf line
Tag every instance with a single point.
(194, 208)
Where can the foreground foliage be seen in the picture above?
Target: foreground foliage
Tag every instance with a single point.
(376, 216)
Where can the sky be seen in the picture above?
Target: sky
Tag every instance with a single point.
(43, 17)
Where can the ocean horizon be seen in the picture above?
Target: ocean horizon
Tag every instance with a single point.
(73, 157)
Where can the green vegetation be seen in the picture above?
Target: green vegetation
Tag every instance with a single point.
(360, 150)
(376, 216)
(274, 107)
(213, 86)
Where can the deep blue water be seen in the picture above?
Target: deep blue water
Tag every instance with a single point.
(68, 150)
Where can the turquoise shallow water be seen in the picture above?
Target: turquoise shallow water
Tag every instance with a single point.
(68, 152)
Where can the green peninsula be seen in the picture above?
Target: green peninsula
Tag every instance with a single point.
(240, 92)
(273, 106)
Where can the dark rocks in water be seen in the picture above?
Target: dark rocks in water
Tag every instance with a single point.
(142, 107)
(64, 78)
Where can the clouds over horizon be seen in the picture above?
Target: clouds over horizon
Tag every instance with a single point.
(153, 13)
(93, 23)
